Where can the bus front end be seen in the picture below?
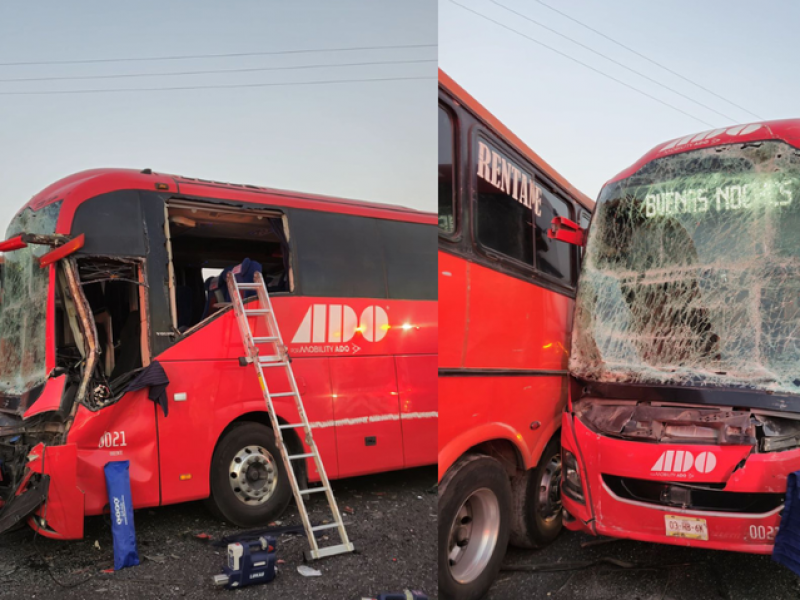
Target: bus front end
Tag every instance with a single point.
(684, 415)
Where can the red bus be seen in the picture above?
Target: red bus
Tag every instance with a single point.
(505, 302)
(354, 293)
(684, 408)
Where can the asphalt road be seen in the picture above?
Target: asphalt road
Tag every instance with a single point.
(393, 526)
(671, 573)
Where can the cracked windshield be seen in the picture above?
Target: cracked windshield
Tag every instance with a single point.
(24, 305)
(693, 273)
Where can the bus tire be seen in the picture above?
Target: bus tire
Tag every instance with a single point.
(248, 480)
(536, 497)
(474, 496)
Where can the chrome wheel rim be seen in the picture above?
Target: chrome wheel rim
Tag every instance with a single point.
(253, 475)
(550, 490)
(473, 535)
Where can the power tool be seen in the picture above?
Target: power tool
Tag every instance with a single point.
(249, 562)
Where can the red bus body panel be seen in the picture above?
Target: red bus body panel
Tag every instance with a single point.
(380, 383)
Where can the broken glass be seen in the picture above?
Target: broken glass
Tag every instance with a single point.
(23, 312)
(692, 273)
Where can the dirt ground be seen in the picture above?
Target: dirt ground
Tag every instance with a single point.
(671, 573)
(393, 527)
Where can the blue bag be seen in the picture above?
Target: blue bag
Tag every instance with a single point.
(119, 499)
(787, 543)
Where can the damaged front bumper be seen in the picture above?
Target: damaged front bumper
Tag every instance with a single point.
(47, 496)
(685, 475)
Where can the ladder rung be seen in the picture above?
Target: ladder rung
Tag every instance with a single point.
(313, 490)
(296, 456)
(248, 286)
(265, 340)
(328, 526)
(331, 550)
(283, 395)
(257, 311)
(273, 364)
(269, 359)
(292, 425)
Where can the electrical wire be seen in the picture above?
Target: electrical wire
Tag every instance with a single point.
(580, 62)
(616, 62)
(209, 87)
(221, 55)
(216, 71)
(650, 60)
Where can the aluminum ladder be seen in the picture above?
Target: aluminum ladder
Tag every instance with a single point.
(278, 358)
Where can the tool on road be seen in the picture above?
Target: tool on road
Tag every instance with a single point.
(277, 357)
(249, 563)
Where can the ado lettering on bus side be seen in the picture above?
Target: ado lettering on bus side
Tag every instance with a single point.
(335, 325)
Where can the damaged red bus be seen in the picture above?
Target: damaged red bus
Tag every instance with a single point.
(109, 272)
(684, 413)
(505, 300)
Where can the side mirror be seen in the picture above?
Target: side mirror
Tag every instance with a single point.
(564, 230)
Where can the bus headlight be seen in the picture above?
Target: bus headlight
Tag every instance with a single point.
(571, 483)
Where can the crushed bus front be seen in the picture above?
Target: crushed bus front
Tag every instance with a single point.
(684, 414)
(704, 476)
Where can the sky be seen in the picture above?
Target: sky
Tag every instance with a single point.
(372, 141)
(589, 127)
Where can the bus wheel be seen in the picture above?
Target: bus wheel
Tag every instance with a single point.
(474, 504)
(249, 485)
(536, 516)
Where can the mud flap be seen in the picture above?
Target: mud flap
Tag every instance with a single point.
(61, 516)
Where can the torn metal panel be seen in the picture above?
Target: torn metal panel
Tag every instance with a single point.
(692, 274)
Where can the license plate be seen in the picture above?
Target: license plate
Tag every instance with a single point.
(686, 527)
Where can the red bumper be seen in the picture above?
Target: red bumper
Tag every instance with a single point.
(605, 461)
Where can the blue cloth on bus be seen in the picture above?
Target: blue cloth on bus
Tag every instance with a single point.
(787, 543)
(244, 272)
(154, 377)
(118, 484)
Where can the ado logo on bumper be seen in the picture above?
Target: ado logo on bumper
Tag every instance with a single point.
(681, 461)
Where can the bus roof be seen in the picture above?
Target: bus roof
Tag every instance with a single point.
(786, 130)
(483, 113)
(75, 189)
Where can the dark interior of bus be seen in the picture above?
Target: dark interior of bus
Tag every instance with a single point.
(206, 243)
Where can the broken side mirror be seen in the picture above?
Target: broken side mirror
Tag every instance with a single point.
(564, 230)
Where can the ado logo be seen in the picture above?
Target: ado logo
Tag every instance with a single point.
(681, 461)
(338, 323)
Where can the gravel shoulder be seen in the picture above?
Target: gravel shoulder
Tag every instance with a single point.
(393, 527)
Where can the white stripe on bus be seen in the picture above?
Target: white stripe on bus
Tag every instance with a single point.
(375, 419)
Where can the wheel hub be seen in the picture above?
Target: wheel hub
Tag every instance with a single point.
(253, 475)
(550, 490)
(473, 535)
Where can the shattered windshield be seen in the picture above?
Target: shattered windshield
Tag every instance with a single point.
(692, 273)
(23, 310)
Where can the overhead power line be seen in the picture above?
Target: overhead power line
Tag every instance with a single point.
(588, 66)
(648, 59)
(616, 62)
(198, 56)
(210, 87)
(215, 71)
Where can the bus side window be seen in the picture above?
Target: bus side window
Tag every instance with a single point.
(447, 188)
(411, 260)
(553, 258)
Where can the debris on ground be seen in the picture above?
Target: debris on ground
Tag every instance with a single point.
(307, 571)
